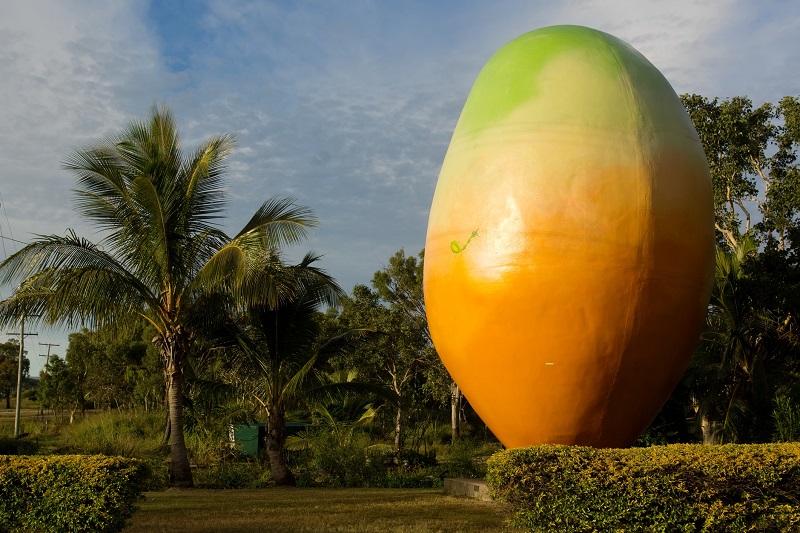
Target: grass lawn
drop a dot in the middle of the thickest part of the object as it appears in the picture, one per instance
(314, 509)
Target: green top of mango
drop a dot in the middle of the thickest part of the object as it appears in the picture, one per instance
(571, 76)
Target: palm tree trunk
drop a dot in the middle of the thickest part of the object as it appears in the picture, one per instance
(281, 474)
(180, 471)
(174, 347)
(166, 434)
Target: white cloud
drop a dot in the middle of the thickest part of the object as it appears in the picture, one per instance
(71, 71)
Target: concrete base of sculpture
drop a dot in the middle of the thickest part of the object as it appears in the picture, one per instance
(469, 488)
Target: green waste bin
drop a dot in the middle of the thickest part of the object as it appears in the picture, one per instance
(249, 438)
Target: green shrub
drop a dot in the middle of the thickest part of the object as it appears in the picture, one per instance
(464, 458)
(456, 470)
(347, 462)
(786, 416)
(229, 475)
(688, 488)
(47, 494)
(350, 458)
(126, 434)
(420, 478)
(16, 446)
(412, 470)
(410, 459)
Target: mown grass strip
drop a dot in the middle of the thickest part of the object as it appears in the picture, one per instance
(314, 509)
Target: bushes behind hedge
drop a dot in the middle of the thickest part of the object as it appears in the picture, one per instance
(688, 488)
(68, 493)
(17, 446)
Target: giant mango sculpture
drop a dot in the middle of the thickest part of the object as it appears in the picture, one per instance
(569, 255)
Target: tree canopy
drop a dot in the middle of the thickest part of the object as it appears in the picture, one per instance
(752, 156)
(9, 366)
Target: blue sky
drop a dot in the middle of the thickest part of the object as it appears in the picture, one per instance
(346, 105)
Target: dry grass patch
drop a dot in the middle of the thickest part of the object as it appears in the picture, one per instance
(315, 509)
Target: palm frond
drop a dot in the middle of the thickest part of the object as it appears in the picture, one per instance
(295, 382)
(316, 280)
(223, 270)
(156, 231)
(333, 392)
(103, 197)
(298, 442)
(278, 222)
(67, 253)
(347, 341)
(204, 196)
(251, 267)
(734, 416)
(75, 285)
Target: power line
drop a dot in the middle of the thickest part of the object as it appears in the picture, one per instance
(8, 223)
(12, 240)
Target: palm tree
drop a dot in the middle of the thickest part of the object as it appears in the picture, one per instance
(162, 255)
(282, 345)
(729, 376)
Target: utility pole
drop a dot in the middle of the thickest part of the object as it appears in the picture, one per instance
(47, 361)
(19, 371)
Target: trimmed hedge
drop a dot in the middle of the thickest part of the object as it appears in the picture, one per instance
(74, 493)
(685, 487)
